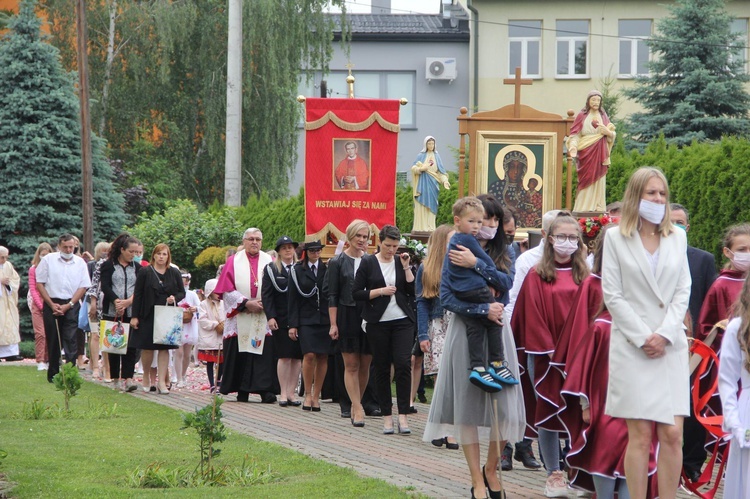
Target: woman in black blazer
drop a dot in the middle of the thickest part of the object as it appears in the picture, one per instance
(385, 284)
(309, 322)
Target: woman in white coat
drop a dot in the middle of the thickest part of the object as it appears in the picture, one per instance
(646, 286)
(734, 367)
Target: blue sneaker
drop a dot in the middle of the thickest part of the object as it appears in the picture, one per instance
(484, 381)
(502, 374)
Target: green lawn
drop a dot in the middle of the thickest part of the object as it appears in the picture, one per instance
(92, 458)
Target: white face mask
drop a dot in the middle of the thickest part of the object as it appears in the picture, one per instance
(487, 233)
(653, 212)
(565, 248)
(66, 256)
(741, 261)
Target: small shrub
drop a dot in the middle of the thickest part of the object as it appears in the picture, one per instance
(27, 349)
(207, 423)
(68, 381)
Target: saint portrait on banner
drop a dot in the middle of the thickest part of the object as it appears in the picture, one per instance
(353, 171)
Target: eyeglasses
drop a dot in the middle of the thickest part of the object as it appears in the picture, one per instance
(561, 238)
(253, 239)
(316, 250)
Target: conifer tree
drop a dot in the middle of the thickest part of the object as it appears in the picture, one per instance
(695, 90)
(40, 150)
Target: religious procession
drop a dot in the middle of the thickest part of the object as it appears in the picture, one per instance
(559, 294)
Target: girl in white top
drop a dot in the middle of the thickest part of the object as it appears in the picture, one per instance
(211, 319)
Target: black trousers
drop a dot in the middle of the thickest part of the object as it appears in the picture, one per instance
(68, 326)
(391, 343)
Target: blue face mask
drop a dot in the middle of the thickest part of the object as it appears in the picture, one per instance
(137, 259)
(681, 227)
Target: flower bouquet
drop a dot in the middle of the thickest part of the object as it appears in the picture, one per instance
(591, 227)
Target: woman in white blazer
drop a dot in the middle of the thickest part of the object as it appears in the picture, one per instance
(646, 286)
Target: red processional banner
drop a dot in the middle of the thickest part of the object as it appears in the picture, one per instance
(350, 164)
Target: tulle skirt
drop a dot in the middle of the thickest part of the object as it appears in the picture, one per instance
(465, 411)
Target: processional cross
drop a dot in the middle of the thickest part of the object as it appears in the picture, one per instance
(517, 81)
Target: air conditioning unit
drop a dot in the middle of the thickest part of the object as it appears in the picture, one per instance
(440, 68)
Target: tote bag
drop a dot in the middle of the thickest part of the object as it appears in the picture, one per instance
(168, 325)
(113, 337)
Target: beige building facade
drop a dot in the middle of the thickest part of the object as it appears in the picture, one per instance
(567, 48)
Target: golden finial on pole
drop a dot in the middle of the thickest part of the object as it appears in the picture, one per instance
(350, 79)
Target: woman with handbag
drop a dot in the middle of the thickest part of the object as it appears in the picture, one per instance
(210, 337)
(118, 275)
(160, 284)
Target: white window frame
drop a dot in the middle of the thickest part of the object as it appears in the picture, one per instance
(743, 43)
(634, 41)
(571, 39)
(524, 40)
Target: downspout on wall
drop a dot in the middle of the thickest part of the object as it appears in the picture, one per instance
(475, 50)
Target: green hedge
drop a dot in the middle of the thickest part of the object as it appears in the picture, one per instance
(712, 180)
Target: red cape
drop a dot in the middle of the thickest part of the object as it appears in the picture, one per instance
(538, 318)
(597, 447)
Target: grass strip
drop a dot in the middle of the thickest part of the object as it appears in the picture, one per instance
(95, 456)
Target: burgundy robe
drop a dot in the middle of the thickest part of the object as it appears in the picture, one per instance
(538, 319)
(718, 303)
(597, 447)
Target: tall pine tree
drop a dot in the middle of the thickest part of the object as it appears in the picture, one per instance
(695, 90)
(40, 148)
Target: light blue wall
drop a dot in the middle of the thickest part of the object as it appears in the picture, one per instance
(437, 103)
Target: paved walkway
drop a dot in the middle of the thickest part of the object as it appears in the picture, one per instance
(404, 461)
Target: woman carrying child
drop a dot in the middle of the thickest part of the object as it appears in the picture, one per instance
(458, 408)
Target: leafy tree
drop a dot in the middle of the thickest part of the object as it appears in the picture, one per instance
(158, 68)
(187, 230)
(695, 90)
(40, 152)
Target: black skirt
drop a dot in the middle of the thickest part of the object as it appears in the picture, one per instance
(352, 339)
(284, 346)
(315, 339)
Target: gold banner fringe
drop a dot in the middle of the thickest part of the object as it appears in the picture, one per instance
(352, 127)
(329, 227)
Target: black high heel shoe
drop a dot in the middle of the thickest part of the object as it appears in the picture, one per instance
(494, 494)
(473, 497)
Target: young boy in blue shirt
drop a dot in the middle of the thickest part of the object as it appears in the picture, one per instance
(469, 286)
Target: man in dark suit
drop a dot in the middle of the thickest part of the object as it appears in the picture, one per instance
(703, 273)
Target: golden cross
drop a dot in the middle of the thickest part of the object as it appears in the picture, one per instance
(517, 81)
(349, 66)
